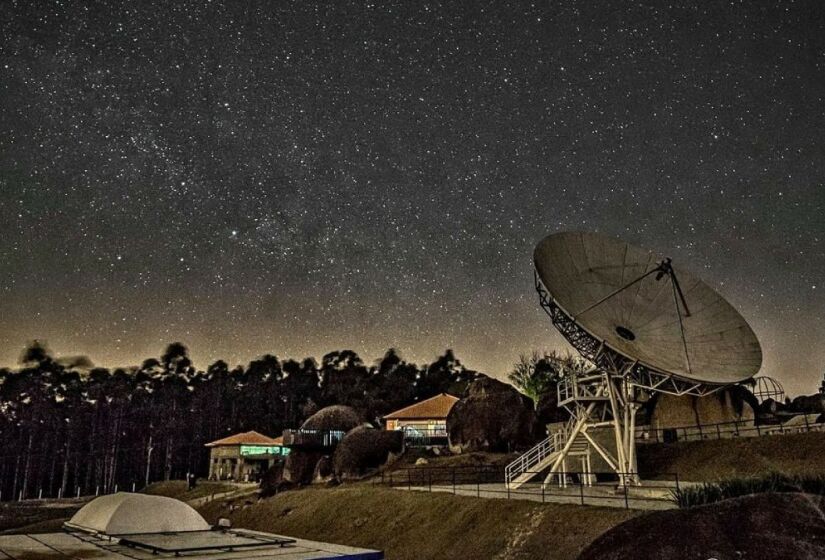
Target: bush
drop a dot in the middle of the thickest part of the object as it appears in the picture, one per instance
(711, 492)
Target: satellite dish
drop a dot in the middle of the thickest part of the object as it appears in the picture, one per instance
(646, 309)
(647, 326)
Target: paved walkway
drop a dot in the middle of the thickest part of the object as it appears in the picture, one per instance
(643, 498)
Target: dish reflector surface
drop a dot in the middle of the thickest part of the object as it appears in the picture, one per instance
(698, 337)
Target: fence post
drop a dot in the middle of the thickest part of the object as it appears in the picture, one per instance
(478, 486)
(133, 487)
(718, 432)
(581, 488)
(807, 427)
(78, 491)
(676, 475)
(626, 490)
(542, 492)
(758, 431)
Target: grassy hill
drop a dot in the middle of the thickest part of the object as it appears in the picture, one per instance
(413, 525)
(36, 515)
(179, 489)
(711, 460)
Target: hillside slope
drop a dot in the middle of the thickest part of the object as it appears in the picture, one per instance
(714, 459)
(775, 526)
(413, 525)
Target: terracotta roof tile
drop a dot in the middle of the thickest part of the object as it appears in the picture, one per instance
(435, 407)
(246, 438)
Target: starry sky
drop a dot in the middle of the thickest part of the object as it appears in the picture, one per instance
(300, 177)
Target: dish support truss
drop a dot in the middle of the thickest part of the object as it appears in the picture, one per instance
(607, 396)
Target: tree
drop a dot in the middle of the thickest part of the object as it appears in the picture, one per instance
(537, 374)
(445, 375)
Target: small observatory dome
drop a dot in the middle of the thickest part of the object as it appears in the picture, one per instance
(129, 514)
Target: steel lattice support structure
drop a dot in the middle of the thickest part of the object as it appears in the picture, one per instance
(609, 395)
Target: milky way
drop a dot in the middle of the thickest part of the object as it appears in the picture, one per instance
(295, 178)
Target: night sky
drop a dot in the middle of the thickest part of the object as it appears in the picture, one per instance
(296, 178)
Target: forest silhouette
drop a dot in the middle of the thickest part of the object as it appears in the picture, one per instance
(67, 427)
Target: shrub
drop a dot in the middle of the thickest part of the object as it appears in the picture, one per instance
(711, 492)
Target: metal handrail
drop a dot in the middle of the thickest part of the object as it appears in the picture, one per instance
(485, 481)
(535, 455)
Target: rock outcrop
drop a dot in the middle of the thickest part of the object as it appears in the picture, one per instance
(364, 449)
(781, 526)
(301, 465)
(492, 416)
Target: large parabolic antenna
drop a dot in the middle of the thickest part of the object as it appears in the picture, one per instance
(647, 326)
(643, 308)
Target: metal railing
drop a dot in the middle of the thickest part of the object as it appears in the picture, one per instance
(485, 481)
(724, 430)
(425, 437)
(535, 456)
(322, 439)
(585, 386)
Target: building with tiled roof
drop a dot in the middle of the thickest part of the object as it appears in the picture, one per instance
(244, 438)
(244, 457)
(425, 422)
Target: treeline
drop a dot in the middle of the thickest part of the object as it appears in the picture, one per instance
(68, 427)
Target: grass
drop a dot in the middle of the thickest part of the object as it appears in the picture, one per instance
(711, 492)
(408, 525)
(36, 516)
(712, 460)
(179, 489)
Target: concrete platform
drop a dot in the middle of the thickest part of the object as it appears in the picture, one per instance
(60, 546)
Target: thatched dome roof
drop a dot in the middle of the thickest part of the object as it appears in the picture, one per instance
(336, 417)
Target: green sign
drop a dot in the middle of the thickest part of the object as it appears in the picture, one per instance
(263, 450)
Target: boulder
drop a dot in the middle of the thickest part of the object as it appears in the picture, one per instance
(299, 467)
(364, 449)
(492, 416)
(808, 404)
(273, 481)
(323, 470)
(777, 526)
(302, 465)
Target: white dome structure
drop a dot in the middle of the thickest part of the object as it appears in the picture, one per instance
(130, 514)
